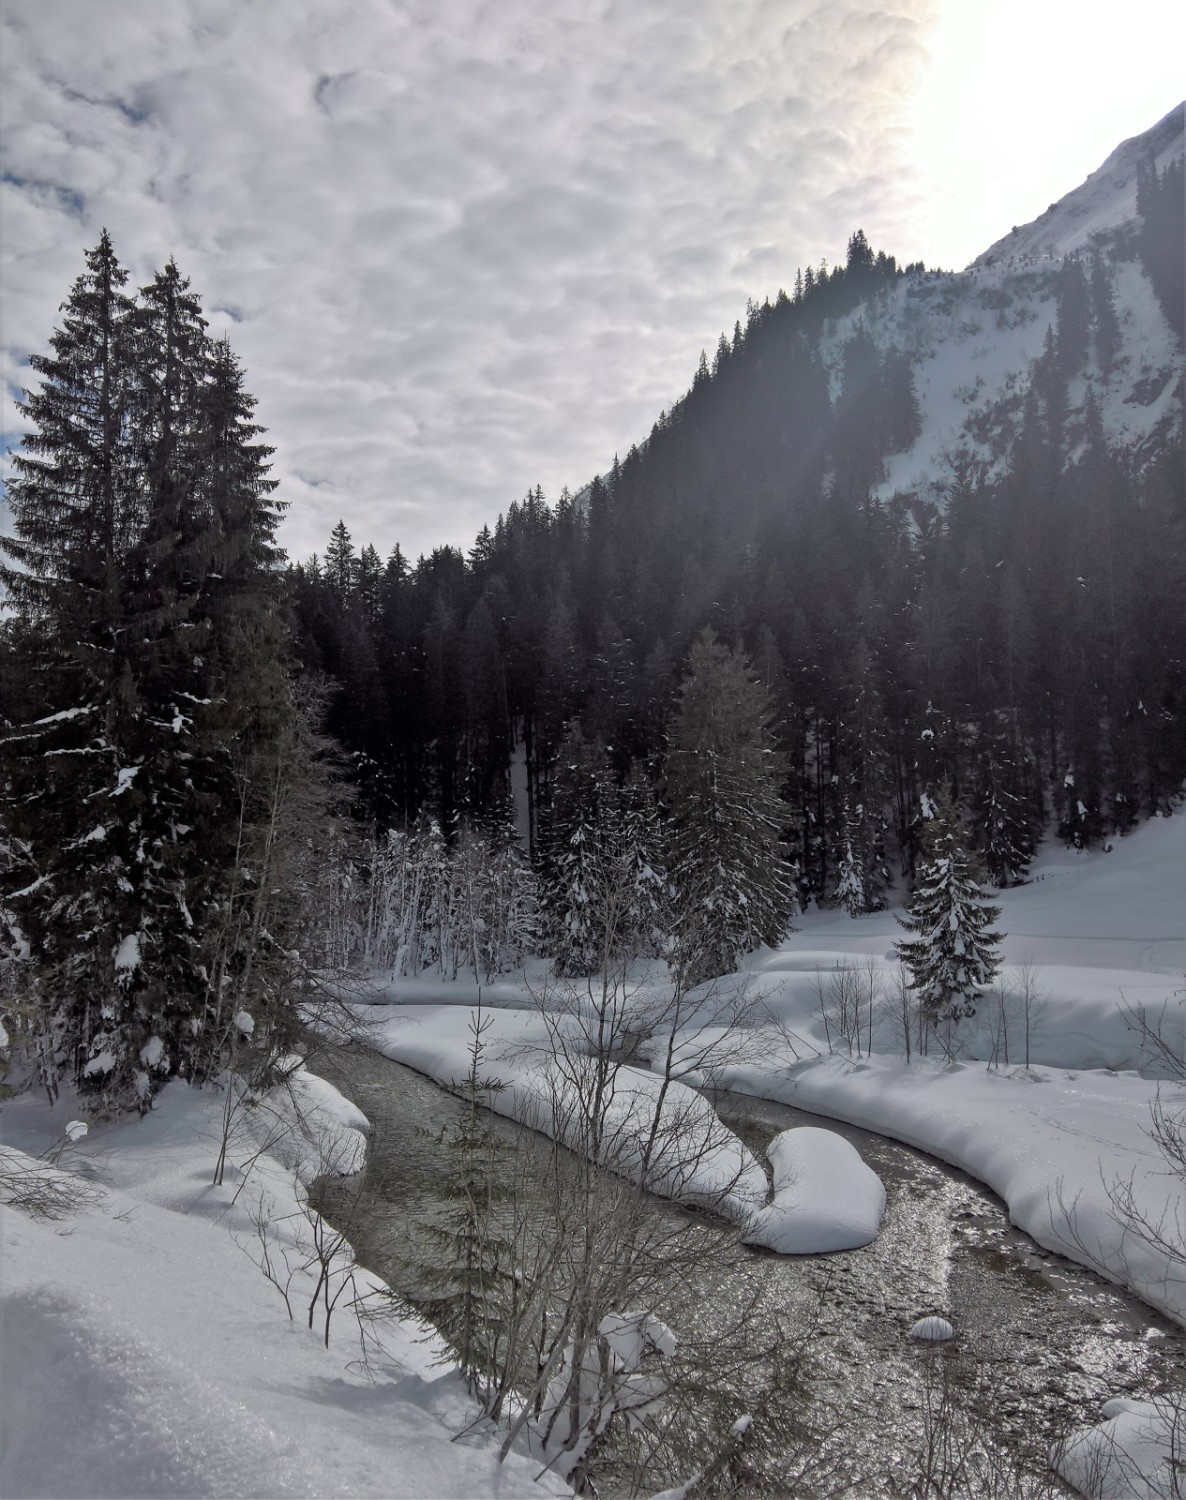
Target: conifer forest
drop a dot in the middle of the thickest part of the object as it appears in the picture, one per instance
(457, 952)
(722, 665)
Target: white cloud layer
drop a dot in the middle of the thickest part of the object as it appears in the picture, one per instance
(462, 247)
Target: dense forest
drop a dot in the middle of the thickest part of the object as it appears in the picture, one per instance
(1022, 643)
(726, 678)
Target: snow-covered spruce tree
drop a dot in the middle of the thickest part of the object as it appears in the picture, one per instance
(852, 884)
(604, 890)
(145, 658)
(1001, 818)
(573, 855)
(510, 904)
(722, 778)
(952, 952)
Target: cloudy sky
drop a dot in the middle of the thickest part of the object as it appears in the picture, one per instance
(465, 247)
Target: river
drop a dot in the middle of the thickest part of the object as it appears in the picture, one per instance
(1040, 1341)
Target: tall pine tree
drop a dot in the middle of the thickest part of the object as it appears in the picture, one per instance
(144, 672)
(723, 772)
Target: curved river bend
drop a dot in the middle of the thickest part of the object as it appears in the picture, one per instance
(1040, 1342)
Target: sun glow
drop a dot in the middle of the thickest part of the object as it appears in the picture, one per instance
(1022, 99)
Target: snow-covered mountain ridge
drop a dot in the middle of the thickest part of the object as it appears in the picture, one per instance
(974, 337)
(1104, 202)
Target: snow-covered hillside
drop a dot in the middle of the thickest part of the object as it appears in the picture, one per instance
(973, 336)
(1104, 201)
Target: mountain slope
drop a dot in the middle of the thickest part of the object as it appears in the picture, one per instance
(1105, 201)
(942, 513)
(974, 338)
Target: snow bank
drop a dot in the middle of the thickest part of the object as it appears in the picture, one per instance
(1052, 1144)
(825, 1197)
(1131, 1455)
(932, 1330)
(667, 1136)
(145, 1354)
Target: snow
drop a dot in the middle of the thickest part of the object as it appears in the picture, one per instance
(825, 1197)
(64, 714)
(123, 780)
(145, 1354)
(973, 336)
(932, 1330)
(152, 1052)
(127, 955)
(1099, 933)
(1130, 1455)
(697, 1159)
(1107, 199)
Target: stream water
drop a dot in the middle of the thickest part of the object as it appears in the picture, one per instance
(1040, 1342)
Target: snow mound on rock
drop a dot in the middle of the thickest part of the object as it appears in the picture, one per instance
(825, 1197)
(935, 1330)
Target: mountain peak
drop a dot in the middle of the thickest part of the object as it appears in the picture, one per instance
(1104, 201)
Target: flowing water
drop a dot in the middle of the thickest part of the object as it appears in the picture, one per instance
(1040, 1342)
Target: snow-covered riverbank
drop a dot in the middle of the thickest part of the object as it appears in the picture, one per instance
(1092, 938)
(145, 1354)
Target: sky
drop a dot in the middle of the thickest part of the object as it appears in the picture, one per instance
(464, 248)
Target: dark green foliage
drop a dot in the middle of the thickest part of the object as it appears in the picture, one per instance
(722, 777)
(1161, 203)
(144, 670)
(604, 890)
(953, 951)
(1003, 821)
(1045, 594)
(1103, 308)
(1074, 317)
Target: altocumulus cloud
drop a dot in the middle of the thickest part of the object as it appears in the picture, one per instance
(461, 247)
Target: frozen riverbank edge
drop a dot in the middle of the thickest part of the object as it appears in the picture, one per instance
(145, 1354)
(1095, 935)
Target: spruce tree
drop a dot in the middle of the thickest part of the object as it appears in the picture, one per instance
(467, 1287)
(584, 920)
(953, 950)
(145, 669)
(1001, 818)
(864, 868)
(852, 885)
(723, 772)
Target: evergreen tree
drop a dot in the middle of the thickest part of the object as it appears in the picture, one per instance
(584, 916)
(864, 773)
(1001, 816)
(723, 772)
(952, 953)
(145, 671)
(1074, 316)
(852, 883)
(1103, 307)
(467, 1287)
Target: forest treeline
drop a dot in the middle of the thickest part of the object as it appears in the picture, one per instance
(1022, 643)
(722, 678)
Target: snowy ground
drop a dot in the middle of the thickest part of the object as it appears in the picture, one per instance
(1092, 937)
(145, 1354)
